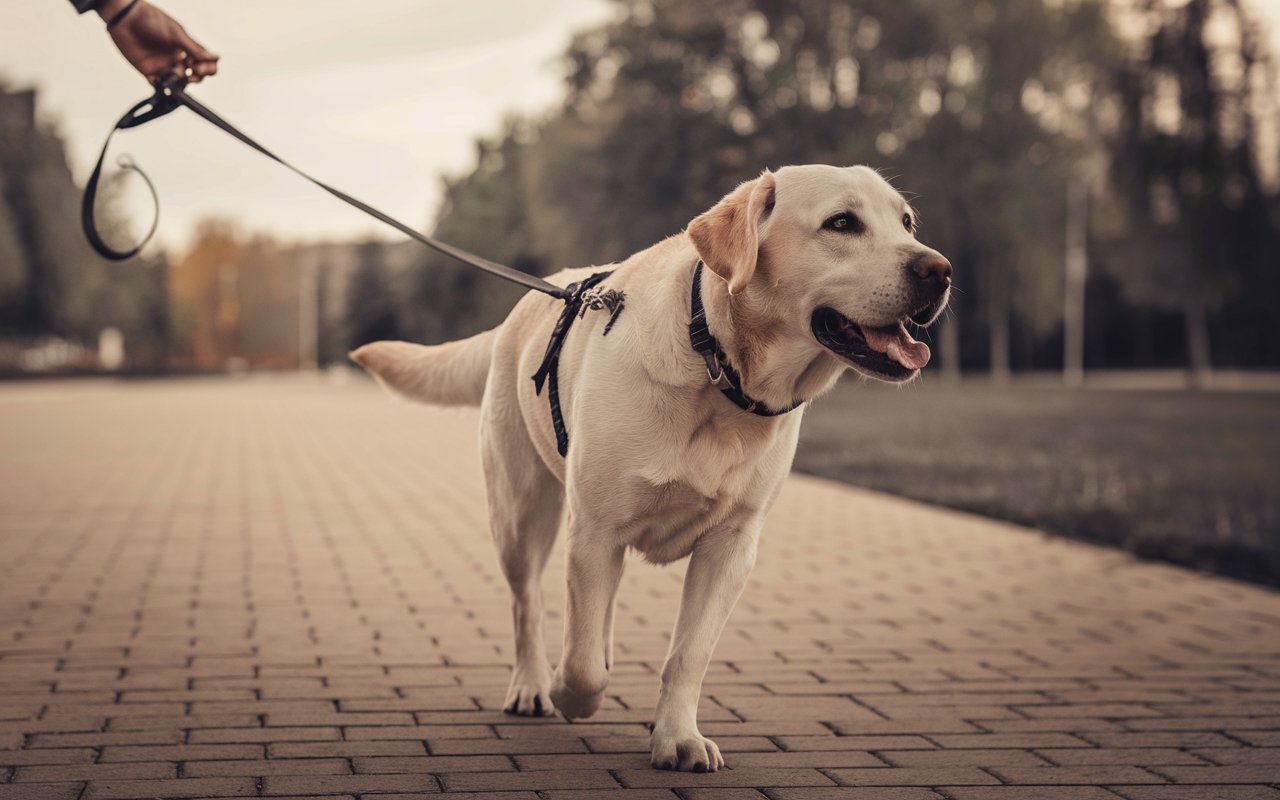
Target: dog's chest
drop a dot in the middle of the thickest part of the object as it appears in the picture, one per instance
(680, 494)
(665, 520)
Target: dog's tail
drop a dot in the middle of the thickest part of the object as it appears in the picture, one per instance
(450, 374)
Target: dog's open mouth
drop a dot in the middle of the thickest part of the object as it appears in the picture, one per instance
(887, 352)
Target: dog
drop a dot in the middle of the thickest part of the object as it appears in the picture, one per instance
(809, 271)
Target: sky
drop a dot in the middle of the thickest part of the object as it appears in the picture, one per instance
(378, 97)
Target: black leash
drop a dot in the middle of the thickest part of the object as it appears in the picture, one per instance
(578, 297)
(722, 374)
(170, 95)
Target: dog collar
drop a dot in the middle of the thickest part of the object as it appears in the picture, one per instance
(721, 373)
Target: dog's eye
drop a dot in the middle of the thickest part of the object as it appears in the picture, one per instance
(906, 222)
(844, 222)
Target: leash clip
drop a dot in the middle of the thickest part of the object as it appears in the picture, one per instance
(715, 370)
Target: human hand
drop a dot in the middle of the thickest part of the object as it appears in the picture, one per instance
(155, 44)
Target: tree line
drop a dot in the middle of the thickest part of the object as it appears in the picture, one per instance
(1163, 115)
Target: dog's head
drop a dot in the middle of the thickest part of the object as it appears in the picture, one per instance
(832, 253)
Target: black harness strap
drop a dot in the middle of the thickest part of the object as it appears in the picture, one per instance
(170, 95)
(722, 374)
(575, 305)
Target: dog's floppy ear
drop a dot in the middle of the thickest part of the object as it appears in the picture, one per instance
(727, 237)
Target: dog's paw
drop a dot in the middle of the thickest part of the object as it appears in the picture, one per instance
(691, 752)
(572, 704)
(529, 695)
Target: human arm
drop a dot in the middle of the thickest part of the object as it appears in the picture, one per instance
(152, 41)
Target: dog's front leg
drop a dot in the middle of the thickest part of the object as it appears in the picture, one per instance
(593, 570)
(718, 569)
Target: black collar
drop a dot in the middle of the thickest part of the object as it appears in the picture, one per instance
(723, 376)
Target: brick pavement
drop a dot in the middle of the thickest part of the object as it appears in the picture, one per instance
(281, 588)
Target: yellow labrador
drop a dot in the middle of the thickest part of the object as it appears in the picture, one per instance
(808, 271)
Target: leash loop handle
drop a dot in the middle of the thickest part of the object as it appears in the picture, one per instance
(170, 94)
(154, 107)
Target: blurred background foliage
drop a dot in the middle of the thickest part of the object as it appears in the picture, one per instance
(1166, 112)
(1163, 113)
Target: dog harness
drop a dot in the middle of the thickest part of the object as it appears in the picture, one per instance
(579, 298)
(584, 296)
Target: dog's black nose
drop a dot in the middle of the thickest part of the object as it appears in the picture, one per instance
(933, 268)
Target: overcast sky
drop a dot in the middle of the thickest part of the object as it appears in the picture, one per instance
(379, 97)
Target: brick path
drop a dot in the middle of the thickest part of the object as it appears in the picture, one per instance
(281, 588)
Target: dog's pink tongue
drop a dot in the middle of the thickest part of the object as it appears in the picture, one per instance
(897, 344)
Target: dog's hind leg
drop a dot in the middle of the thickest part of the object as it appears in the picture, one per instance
(525, 504)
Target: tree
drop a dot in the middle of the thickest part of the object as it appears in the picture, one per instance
(51, 283)
(1189, 161)
(371, 308)
(984, 112)
(488, 213)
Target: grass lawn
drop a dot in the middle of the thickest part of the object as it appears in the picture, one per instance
(1189, 477)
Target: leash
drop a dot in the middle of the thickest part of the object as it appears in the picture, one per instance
(171, 95)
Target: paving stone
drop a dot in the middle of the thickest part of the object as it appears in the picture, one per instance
(182, 752)
(504, 781)
(1257, 738)
(176, 789)
(837, 743)
(440, 764)
(853, 793)
(263, 768)
(640, 744)
(1198, 792)
(1030, 793)
(1158, 739)
(333, 784)
(1245, 773)
(914, 776)
(263, 735)
(41, 791)
(1020, 741)
(345, 749)
(958, 758)
(1078, 776)
(584, 794)
(1133, 756)
(14, 758)
(1220, 756)
(747, 777)
(107, 739)
(94, 772)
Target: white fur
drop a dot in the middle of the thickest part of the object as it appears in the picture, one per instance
(659, 460)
